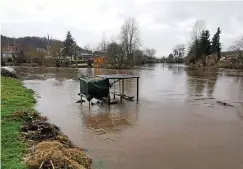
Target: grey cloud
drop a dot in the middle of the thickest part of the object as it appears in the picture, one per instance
(162, 24)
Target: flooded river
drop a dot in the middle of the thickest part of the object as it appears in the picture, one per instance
(177, 124)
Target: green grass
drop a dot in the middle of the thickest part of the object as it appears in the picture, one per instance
(14, 97)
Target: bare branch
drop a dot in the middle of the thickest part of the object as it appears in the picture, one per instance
(150, 52)
(179, 51)
(197, 29)
(238, 45)
(130, 37)
(103, 45)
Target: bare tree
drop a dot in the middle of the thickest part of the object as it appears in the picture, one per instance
(103, 45)
(179, 51)
(130, 38)
(55, 49)
(150, 52)
(197, 29)
(36, 56)
(238, 45)
(87, 47)
(115, 53)
(196, 32)
(140, 57)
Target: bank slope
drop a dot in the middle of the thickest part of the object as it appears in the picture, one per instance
(14, 97)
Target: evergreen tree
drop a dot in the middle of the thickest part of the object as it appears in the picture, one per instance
(216, 45)
(205, 44)
(68, 46)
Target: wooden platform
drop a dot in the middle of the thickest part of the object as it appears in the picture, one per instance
(118, 76)
(123, 95)
(122, 77)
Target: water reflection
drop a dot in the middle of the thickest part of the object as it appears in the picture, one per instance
(114, 118)
(176, 69)
(201, 79)
(109, 121)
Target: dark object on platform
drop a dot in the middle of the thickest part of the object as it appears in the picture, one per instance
(8, 73)
(94, 88)
(99, 87)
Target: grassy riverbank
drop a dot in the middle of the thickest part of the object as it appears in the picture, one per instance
(14, 98)
(28, 139)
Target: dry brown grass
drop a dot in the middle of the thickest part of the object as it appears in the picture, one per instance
(53, 154)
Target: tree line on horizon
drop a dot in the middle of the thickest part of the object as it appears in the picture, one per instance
(125, 49)
(201, 47)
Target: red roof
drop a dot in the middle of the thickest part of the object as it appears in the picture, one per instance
(10, 48)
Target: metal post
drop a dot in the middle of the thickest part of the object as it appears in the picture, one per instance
(109, 99)
(122, 89)
(80, 92)
(114, 96)
(137, 88)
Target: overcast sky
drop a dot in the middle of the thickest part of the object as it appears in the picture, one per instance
(163, 24)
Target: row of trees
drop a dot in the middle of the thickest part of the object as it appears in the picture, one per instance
(126, 48)
(177, 56)
(238, 47)
(237, 50)
(36, 50)
(205, 51)
(201, 45)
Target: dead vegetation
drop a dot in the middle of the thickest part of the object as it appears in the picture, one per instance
(53, 154)
(49, 148)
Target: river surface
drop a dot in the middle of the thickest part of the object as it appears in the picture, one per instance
(177, 123)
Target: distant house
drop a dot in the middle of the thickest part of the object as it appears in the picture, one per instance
(79, 54)
(84, 56)
(41, 50)
(228, 55)
(9, 52)
(100, 54)
(100, 58)
(46, 52)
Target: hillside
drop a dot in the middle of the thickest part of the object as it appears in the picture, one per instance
(28, 42)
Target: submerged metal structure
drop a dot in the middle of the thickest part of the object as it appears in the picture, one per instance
(98, 87)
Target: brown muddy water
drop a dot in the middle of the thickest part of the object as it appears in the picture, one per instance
(177, 124)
